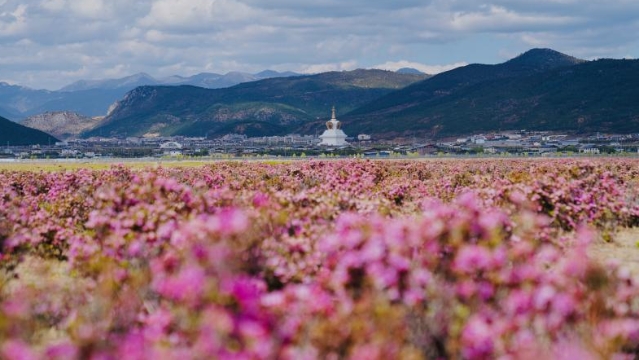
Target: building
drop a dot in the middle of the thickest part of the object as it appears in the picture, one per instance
(171, 145)
(333, 135)
(589, 149)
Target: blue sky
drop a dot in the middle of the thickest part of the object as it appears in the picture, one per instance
(50, 43)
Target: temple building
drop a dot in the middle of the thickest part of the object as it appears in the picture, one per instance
(333, 135)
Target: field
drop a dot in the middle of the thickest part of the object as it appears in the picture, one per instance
(361, 259)
(48, 165)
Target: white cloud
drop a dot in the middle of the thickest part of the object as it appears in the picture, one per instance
(13, 22)
(533, 40)
(497, 18)
(319, 68)
(92, 9)
(100, 38)
(428, 69)
(188, 14)
(54, 5)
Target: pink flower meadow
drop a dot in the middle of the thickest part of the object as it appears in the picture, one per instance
(319, 260)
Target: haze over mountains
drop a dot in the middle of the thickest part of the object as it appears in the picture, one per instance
(267, 107)
(205, 80)
(541, 89)
(94, 97)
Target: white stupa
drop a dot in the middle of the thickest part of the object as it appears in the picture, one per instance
(333, 135)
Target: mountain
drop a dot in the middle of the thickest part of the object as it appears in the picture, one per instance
(542, 59)
(205, 80)
(62, 124)
(16, 134)
(267, 74)
(270, 106)
(128, 82)
(8, 114)
(15, 100)
(94, 97)
(539, 90)
(407, 70)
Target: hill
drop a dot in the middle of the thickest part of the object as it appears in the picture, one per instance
(205, 80)
(407, 70)
(94, 97)
(266, 107)
(61, 124)
(439, 86)
(539, 90)
(16, 134)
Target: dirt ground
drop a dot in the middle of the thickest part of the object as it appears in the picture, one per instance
(624, 249)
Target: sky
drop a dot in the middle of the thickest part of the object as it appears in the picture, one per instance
(51, 43)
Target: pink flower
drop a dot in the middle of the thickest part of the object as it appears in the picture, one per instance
(187, 285)
(518, 302)
(17, 350)
(133, 347)
(62, 351)
(564, 305)
(472, 258)
(260, 199)
(543, 297)
(477, 339)
(569, 350)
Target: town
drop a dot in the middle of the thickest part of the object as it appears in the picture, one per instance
(510, 143)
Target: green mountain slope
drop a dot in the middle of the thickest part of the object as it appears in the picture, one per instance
(539, 90)
(439, 86)
(15, 134)
(266, 107)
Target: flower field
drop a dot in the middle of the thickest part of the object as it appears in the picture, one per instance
(469, 259)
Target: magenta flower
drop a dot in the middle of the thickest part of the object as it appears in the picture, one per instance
(477, 339)
(472, 258)
(17, 350)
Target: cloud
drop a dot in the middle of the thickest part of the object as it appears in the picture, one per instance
(500, 19)
(195, 14)
(91, 9)
(319, 68)
(428, 69)
(50, 43)
(13, 21)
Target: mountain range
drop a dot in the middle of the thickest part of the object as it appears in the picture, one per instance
(16, 134)
(539, 90)
(94, 97)
(205, 80)
(272, 106)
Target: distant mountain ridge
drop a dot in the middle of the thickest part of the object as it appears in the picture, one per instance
(205, 80)
(452, 81)
(407, 70)
(272, 106)
(541, 89)
(132, 81)
(94, 97)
